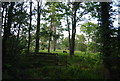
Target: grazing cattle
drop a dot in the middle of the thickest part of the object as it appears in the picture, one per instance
(64, 51)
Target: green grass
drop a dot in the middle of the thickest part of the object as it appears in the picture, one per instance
(80, 66)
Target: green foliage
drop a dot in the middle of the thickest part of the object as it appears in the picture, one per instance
(80, 43)
(93, 8)
(90, 29)
(93, 47)
(65, 43)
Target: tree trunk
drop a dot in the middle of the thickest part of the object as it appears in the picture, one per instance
(7, 31)
(20, 23)
(10, 15)
(69, 34)
(5, 22)
(50, 35)
(49, 45)
(4, 36)
(105, 23)
(55, 40)
(118, 37)
(29, 36)
(55, 43)
(75, 7)
(38, 29)
(18, 32)
(3, 12)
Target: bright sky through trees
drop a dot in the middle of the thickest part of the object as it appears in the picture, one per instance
(34, 21)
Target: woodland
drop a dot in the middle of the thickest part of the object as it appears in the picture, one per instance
(40, 40)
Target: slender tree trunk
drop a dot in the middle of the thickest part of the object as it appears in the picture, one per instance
(50, 37)
(118, 37)
(5, 22)
(55, 43)
(73, 37)
(18, 32)
(3, 12)
(75, 7)
(55, 40)
(38, 29)
(10, 15)
(20, 23)
(49, 45)
(69, 34)
(69, 37)
(29, 36)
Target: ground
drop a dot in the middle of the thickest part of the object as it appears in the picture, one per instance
(83, 65)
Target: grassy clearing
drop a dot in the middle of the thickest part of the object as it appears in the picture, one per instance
(81, 66)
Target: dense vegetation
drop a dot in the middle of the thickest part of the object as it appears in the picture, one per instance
(35, 44)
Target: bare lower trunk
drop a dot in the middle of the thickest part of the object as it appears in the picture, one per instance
(49, 45)
(55, 42)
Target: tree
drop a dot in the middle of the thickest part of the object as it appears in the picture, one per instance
(29, 37)
(90, 29)
(38, 28)
(52, 15)
(105, 34)
(68, 14)
(65, 43)
(20, 18)
(4, 6)
(75, 8)
(80, 43)
(44, 35)
(7, 32)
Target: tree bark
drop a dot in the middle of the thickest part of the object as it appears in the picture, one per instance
(49, 45)
(18, 31)
(50, 35)
(55, 40)
(38, 29)
(20, 23)
(29, 36)
(75, 7)
(69, 34)
(105, 34)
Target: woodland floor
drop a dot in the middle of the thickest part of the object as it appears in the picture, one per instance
(81, 66)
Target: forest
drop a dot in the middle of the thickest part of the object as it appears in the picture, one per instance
(60, 40)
